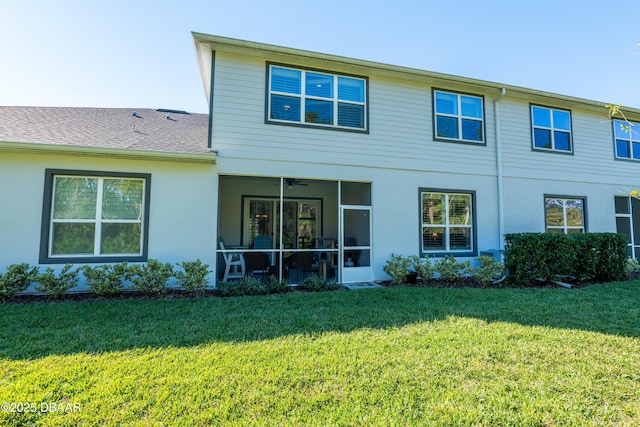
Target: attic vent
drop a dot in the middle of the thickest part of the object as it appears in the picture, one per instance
(166, 110)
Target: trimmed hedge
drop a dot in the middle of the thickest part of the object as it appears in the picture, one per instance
(592, 256)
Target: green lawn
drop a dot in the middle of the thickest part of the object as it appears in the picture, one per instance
(392, 356)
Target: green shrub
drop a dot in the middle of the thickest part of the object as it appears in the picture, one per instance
(632, 267)
(450, 268)
(194, 275)
(488, 270)
(57, 285)
(422, 266)
(152, 277)
(17, 278)
(313, 283)
(107, 279)
(397, 267)
(246, 286)
(275, 286)
(594, 256)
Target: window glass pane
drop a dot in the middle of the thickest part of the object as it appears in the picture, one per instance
(120, 238)
(574, 212)
(447, 127)
(554, 213)
(542, 138)
(319, 85)
(471, 106)
(318, 111)
(75, 197)
(636, 150)
(621, 129)
(471, 130)
(635, 210)
(285, 108)
(355, 193)
(460, 209)
(562, 141)
(350, 89)
(432, 208)
(446, 103)
(433, 238)
(541, 116)
(561, 120)
(555, 230)
(351, 115)
(622, 205)
(122, 199)
(574, 230)
(622, 148)
(285, 80)
(623, 226)
(460, 238)
(73, 239)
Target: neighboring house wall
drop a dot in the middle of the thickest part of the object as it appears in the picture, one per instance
(182, 205)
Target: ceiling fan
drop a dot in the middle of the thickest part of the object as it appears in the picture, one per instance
(292, 182)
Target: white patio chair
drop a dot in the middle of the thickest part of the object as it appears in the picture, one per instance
(234, 264)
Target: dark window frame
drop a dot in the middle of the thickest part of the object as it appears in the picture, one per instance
(474, 224)
(585, 218)
(302, 123)
(47, 258)
(630, 141)
(569, 152)
(459, 140)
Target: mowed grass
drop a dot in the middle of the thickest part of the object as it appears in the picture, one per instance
(392, 356)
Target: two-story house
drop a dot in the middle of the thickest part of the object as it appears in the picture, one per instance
(383, 159)
(323, 163)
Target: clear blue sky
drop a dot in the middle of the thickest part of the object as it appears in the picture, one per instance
(139, 54)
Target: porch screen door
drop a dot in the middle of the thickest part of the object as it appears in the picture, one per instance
(356, 248)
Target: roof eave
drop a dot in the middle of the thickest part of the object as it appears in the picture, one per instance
(118, 153)
(221, 43)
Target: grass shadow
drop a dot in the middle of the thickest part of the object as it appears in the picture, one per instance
(30, 331)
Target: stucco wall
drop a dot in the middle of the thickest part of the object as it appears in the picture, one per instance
(182, 221)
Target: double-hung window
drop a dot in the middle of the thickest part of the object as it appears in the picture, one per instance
(94, 217)
(316, 98)
(551, 129)
(447, 222)
(627, 136)
(458, 117)
(565, 215)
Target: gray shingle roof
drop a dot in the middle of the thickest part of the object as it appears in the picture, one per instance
(115, 128)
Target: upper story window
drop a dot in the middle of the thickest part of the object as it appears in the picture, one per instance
(94, 217)
(564, 215)
(447, 222)
(458, 117)
(627, 136)
(316, 98)
(551, 129)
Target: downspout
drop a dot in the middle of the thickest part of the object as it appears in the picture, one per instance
(496, 106)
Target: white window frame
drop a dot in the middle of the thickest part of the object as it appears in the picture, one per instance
(447, 226)
(302, 96)
(459, 117)
(46, 252)
(564, 227)
(552, 129)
